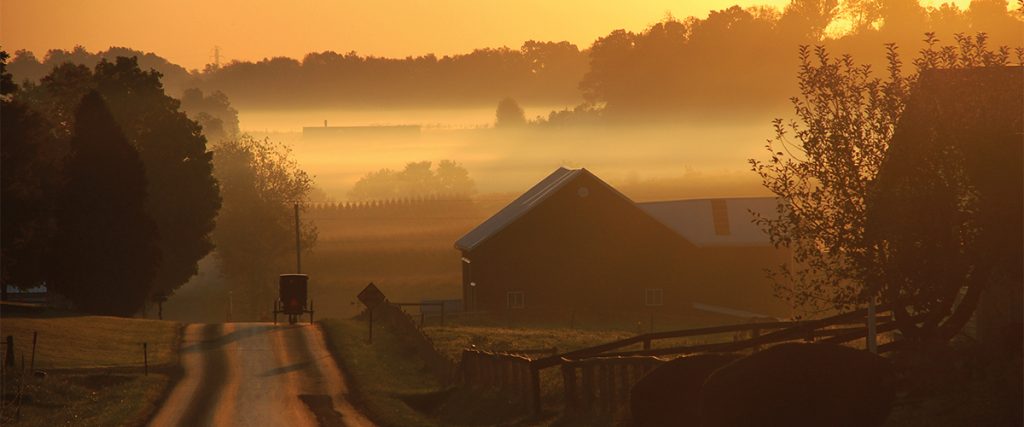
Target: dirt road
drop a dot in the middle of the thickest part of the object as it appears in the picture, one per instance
(257, 374)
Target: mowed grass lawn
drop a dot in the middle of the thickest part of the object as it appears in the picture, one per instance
(93, 366)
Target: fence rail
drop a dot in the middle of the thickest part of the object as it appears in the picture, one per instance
(596, 379)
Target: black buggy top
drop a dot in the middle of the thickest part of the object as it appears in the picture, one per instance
(293, 297)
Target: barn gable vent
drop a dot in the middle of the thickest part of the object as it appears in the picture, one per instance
(720, 215)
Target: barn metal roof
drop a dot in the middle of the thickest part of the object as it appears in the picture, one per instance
(517, 208)
(715, 222)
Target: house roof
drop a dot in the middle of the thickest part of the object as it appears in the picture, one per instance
(702, 222)
(715, 222)
(520, 206)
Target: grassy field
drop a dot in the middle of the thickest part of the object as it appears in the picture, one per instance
(452, 339)
(93, 370)
(77, 342)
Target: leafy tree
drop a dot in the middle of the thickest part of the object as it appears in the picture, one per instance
(26, 188)
(809, 18)
(416, 180)
(844, 120)
(454, 179)
(184, 197)
(509, 114)
(27, 67)
(105, 252)
(824, 167)
(255, 232)
(213, 112)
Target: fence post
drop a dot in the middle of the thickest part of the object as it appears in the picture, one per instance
(503, 381)
(609, 386)
(32, 364)
(535, 389)
(587, 385)
(569, 381)
(626, 386)
(872, 331)
(9, 356)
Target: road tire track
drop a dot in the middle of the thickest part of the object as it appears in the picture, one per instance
(202, 407)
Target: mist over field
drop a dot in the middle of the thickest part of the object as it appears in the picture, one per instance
(709, 152)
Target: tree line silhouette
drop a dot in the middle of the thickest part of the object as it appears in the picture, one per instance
(741, 60)
(537, 72)
(736, 60)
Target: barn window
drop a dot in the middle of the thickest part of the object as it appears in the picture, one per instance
(653, 297)
(516, 299)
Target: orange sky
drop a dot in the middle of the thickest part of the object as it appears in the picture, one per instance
(185, 31)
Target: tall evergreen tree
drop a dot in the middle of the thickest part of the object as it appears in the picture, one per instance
(105, 254)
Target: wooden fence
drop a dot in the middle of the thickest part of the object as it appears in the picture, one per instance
(601, 384)
(512, 375)
(598, 379)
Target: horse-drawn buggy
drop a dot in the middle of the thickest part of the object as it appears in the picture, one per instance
(292, 298)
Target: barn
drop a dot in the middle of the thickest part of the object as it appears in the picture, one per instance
(573, 242)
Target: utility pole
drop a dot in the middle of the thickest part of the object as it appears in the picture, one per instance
(298, 242)
(216, 56)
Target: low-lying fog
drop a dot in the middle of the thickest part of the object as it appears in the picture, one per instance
(510, 160)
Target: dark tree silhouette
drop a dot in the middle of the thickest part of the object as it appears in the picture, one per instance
(105, 252)
(26, 183)
(184, 197)
(509, 114)
(538, 72)
(213, 112)
(945, 215)
(717, 64)
(416, 180)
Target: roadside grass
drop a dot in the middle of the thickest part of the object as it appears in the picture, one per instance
(93, 368)
(385, 375)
